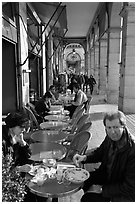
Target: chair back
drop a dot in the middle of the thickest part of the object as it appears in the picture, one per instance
(87, 106)
(34, 122)
(79, 144)
(78, 116)
(84, 118)
(39, 118)
(77, 110)
(85, 127)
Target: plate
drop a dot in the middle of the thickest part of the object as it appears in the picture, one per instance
(76, 175)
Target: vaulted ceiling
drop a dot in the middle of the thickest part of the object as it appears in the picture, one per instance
(79, 17)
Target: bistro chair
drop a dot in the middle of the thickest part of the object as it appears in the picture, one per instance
(80, 123)
(71, 128)
(33, 120)
(87, 106)
(78, 116)
(78, 145)
(77, 110)
(39, 118)
(85, 127)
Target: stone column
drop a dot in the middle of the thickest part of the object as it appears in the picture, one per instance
(127, 78)
(113, 70)
(92, 62)
(86, 62)
(23, 49)
(50, 62)
(103, 66)
(96, 69)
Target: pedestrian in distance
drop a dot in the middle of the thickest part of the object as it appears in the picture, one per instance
(91, 82)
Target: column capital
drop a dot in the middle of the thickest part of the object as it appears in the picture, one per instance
(127, 8)
(114, 30)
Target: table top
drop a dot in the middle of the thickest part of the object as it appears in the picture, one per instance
(56, 107)
(51, 188)
(46, 150)
(56, 118)
(48, 136)
(53, 125)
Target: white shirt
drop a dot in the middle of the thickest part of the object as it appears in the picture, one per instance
(81, 98)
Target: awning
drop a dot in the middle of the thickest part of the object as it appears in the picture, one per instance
(46, 9)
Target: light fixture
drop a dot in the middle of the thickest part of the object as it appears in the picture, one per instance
(74, 51)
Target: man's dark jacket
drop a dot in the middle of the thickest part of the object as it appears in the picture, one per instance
(121, 185)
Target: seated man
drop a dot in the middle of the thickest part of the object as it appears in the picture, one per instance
(43, 105)
(80, 98)
(52, 91)
(114, 180)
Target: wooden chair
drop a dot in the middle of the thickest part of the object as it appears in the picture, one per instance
(39, 118)
(78, 145)
(88, 104)
(85, 127)
(77, 110)
(33, 120)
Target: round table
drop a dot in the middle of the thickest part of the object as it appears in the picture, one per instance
(56, 107)
(48, 136)
(47, 150)
(53, 125)
(51, 188)
(56, 117)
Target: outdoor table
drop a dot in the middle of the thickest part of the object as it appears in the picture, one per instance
(53, 125)
(47, 150)
(51, 188)
(55, 107)
(48, 136)
(56, 117)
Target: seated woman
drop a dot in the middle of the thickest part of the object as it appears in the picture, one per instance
(16, 124)
(43, 105)
(80, 98)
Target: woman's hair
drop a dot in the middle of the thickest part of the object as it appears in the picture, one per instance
(16, 119)
(51, 87)
(47, 95)
(115, 115)
(76, 85)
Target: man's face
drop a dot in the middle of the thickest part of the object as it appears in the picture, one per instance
(53, 90)
(114, 129)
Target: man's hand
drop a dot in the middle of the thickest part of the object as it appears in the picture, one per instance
(77, 159)
(95, 189)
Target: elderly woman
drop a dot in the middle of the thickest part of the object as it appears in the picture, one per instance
(114, 180)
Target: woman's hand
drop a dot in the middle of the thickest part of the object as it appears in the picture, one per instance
(20, 140)
(77, 159)
(25, 168)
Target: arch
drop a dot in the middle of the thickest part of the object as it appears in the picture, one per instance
(113, 12)
(74, 61)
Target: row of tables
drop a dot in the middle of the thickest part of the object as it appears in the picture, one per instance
(47, 146)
